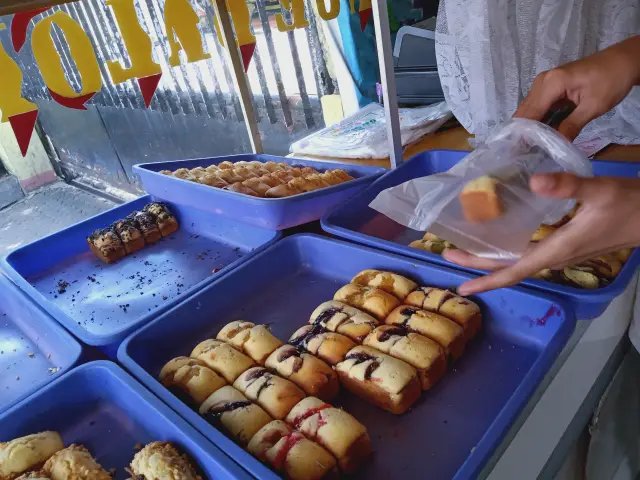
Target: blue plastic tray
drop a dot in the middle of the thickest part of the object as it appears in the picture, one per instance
(104, 303)
(451, 431)
(103, 408)
(34, 349)
(271, 213)
(355, 221)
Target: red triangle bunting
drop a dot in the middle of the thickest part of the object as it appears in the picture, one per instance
(247, 54)
(148, 86)
(77, 103)
(365, 16)
(22, 126)
(19, 25)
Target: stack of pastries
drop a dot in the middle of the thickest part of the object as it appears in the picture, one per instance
(257, 179)
(138, 229)
(44, 456)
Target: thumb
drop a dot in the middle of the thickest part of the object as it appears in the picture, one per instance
(564, 185)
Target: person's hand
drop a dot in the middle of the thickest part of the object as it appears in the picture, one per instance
(608, 220)
(595, 84)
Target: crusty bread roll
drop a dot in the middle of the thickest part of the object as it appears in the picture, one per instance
(480, 200)
(27, 453)
(422, 353)
(446, 332)
(311, 374)
(222, 358)
(292, 454)
(370, 299)
(162, 460)
(334, 429)
(230, 409)
(329, 346)
(392, 283)
(276, 395)
(341, 318)
(387, 382)
(190, 376)
(461, 310)
(75, 463)
(256, 341)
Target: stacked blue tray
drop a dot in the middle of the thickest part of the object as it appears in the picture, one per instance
(101, 304)
(450, 432)
(355, 221)
(101, 407)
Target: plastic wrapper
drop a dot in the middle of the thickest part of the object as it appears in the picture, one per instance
(519, 150)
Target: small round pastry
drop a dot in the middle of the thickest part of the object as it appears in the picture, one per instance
(27, 453)
(191, 376)
(392, 283)
(256, 341)
(222, 358)
(75, 463)
(162, 460)
(328, 346)
(370, 299)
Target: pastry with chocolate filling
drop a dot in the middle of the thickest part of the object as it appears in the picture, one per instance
(192, 377)
(422, 353)
(240, 187)
(382, 380)
(291, 454)
(373, 300)
(311, 374)
(459, 309)
(446, 332)
(131, 237)
(146, 223)
(75, 463)
(343, 319)
(276, 395)
(106, 245)
(27, 453)
(222, 358)
(165, 220)
(230, 409)
(334, 429)
(392, 283)
(256, 341)
(328, 346)
(162, 460)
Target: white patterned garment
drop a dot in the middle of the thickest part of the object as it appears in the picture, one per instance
(490, 51)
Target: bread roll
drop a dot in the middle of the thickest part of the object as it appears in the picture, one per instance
(162, 460)
(276, 395)
(291, 454)
(311, 374)
(330, 347)
(341, 318)
(256, 341)
(392, 283)
(387, 382)
(131, 237)
(146, 223)
(75, 463)
(422, 353)
(370, 299)
(191, 376)
(464, 312)
(106, 245)
(446, 332)
(222, 358)
(334, 429)
(480, 200)
(27, 453)
(165, 220)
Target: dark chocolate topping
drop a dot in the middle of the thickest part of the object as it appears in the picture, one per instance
(266, 384)
(327, 315)
(288, 353)
(361, 357)
(408, 311)
(255, 374)
(214, 414)
(388, 333)
(301, 341)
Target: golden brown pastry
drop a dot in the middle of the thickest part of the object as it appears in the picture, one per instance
(582, 276)
(213, 180)
(165, 220)
(230, 409)
(311, 374)
(212, 169)
(344, 176)
(422, 353)
(459, 309)
(270, 180)
(317, 181)
(542, 232)
(432, 246)
(307, 171)
(328, 346)
(292, 454)
(334, 429)
(370, 299)
(623, 254)
(387, 382)
(257, 186)
(229, 176)
(27, 453)
(271, 166)
(281, 191)
(146, 223)
(239, 187)
(191, 376)
(341, 318)
(75, 463)
(182, 173)
(446, 332)
(302, 184)
(162, 460)
(198, 171)
(226, 165)
(106, 245)
(166, 172)
(608, 266)
(244, 172)
(276, 395)
(256, 341)
(480, 200)
(283, 175)
(37, 475)
(392, 283)
(330, 179)
(222, 358)
(131, 237)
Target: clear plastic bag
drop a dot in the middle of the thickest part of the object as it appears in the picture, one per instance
(512, 156)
